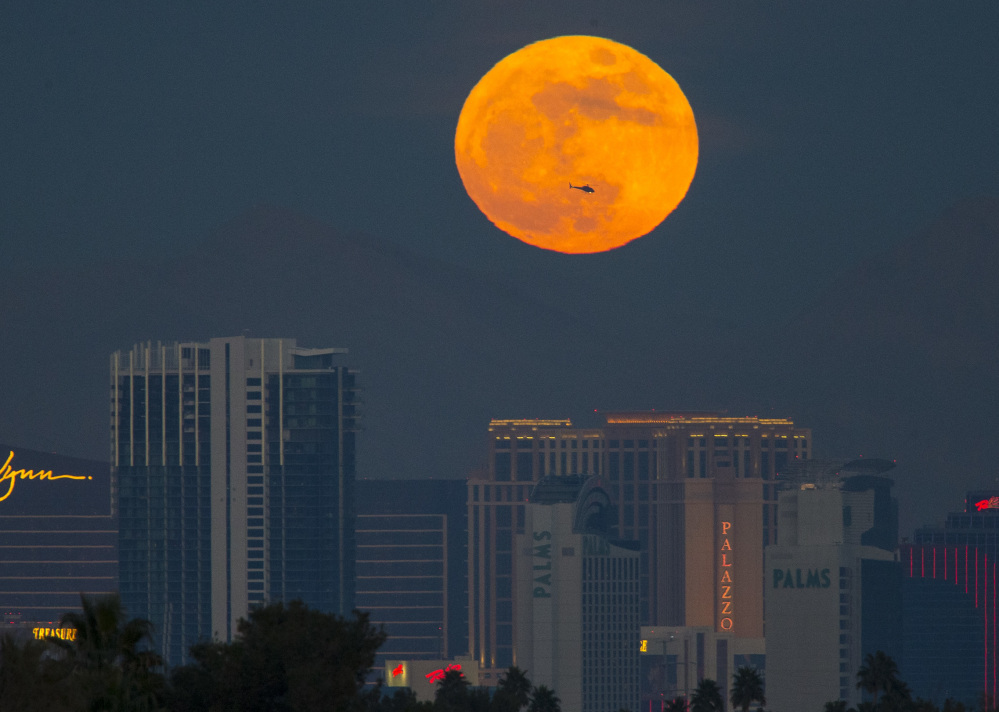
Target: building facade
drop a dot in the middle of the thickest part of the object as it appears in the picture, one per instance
(691, 488)
(59, 535)
(233, 463)
(412, 567)
(675, 660)
(577, 597)
(949, 599)
(833, 584)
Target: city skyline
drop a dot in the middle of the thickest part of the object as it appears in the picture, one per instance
(178, 173)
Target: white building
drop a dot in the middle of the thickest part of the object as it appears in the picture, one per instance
(577, 598)
(233, 468)
(832, 587)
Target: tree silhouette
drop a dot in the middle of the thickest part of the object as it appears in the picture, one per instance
(707, 697)
(109, 659)
(543, 699)
(284, 657)
(897, 698)
(452, 693)
(747, 688)
(677, 704)
(31, 680)
(878, 673)
(513, 692)
(835, 706)
(402, 700)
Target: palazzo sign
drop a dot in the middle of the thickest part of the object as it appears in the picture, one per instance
(726, 614)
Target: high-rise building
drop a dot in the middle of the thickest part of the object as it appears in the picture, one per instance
(412, 567)
(949, 604)
(577, 597)
(59, 535)
(833, 583)
(696, 490)
(233, 462)
(520, 451)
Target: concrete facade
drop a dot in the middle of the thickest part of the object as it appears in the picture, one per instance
(831, 598)
(577, 599)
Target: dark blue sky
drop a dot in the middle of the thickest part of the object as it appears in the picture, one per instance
(829, 132)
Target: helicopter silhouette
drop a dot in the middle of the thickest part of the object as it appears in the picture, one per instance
(585, 188)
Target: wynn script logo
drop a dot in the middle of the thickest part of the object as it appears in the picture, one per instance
(10, 476)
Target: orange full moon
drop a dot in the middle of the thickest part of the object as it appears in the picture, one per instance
(580, 111)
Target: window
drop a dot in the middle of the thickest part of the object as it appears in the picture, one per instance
(502, 462)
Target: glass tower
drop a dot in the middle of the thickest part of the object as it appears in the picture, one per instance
(233, 466)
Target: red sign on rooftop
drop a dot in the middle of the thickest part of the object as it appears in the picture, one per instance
(990, 503)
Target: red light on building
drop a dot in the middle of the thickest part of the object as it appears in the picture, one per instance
(436, 675)
(990, 503)
(977, 575)
(397, 671)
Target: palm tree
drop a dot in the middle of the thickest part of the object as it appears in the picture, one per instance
(514, 691)
(108, 656)
(452, 693)
(707, 697)
(543, 699)
(878, 674)
(897, 696)
(747, 688)
(31, 680)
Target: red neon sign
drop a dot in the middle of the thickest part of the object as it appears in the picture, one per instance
(436, 675)
(990, 503)
(397, 671)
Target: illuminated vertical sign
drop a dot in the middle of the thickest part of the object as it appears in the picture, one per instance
(725, 613)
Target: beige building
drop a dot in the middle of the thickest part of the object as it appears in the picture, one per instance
(832, 588)
(577, 598)
(696, 490)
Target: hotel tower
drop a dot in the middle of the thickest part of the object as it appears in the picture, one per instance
(233, 468)
(696, 490)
